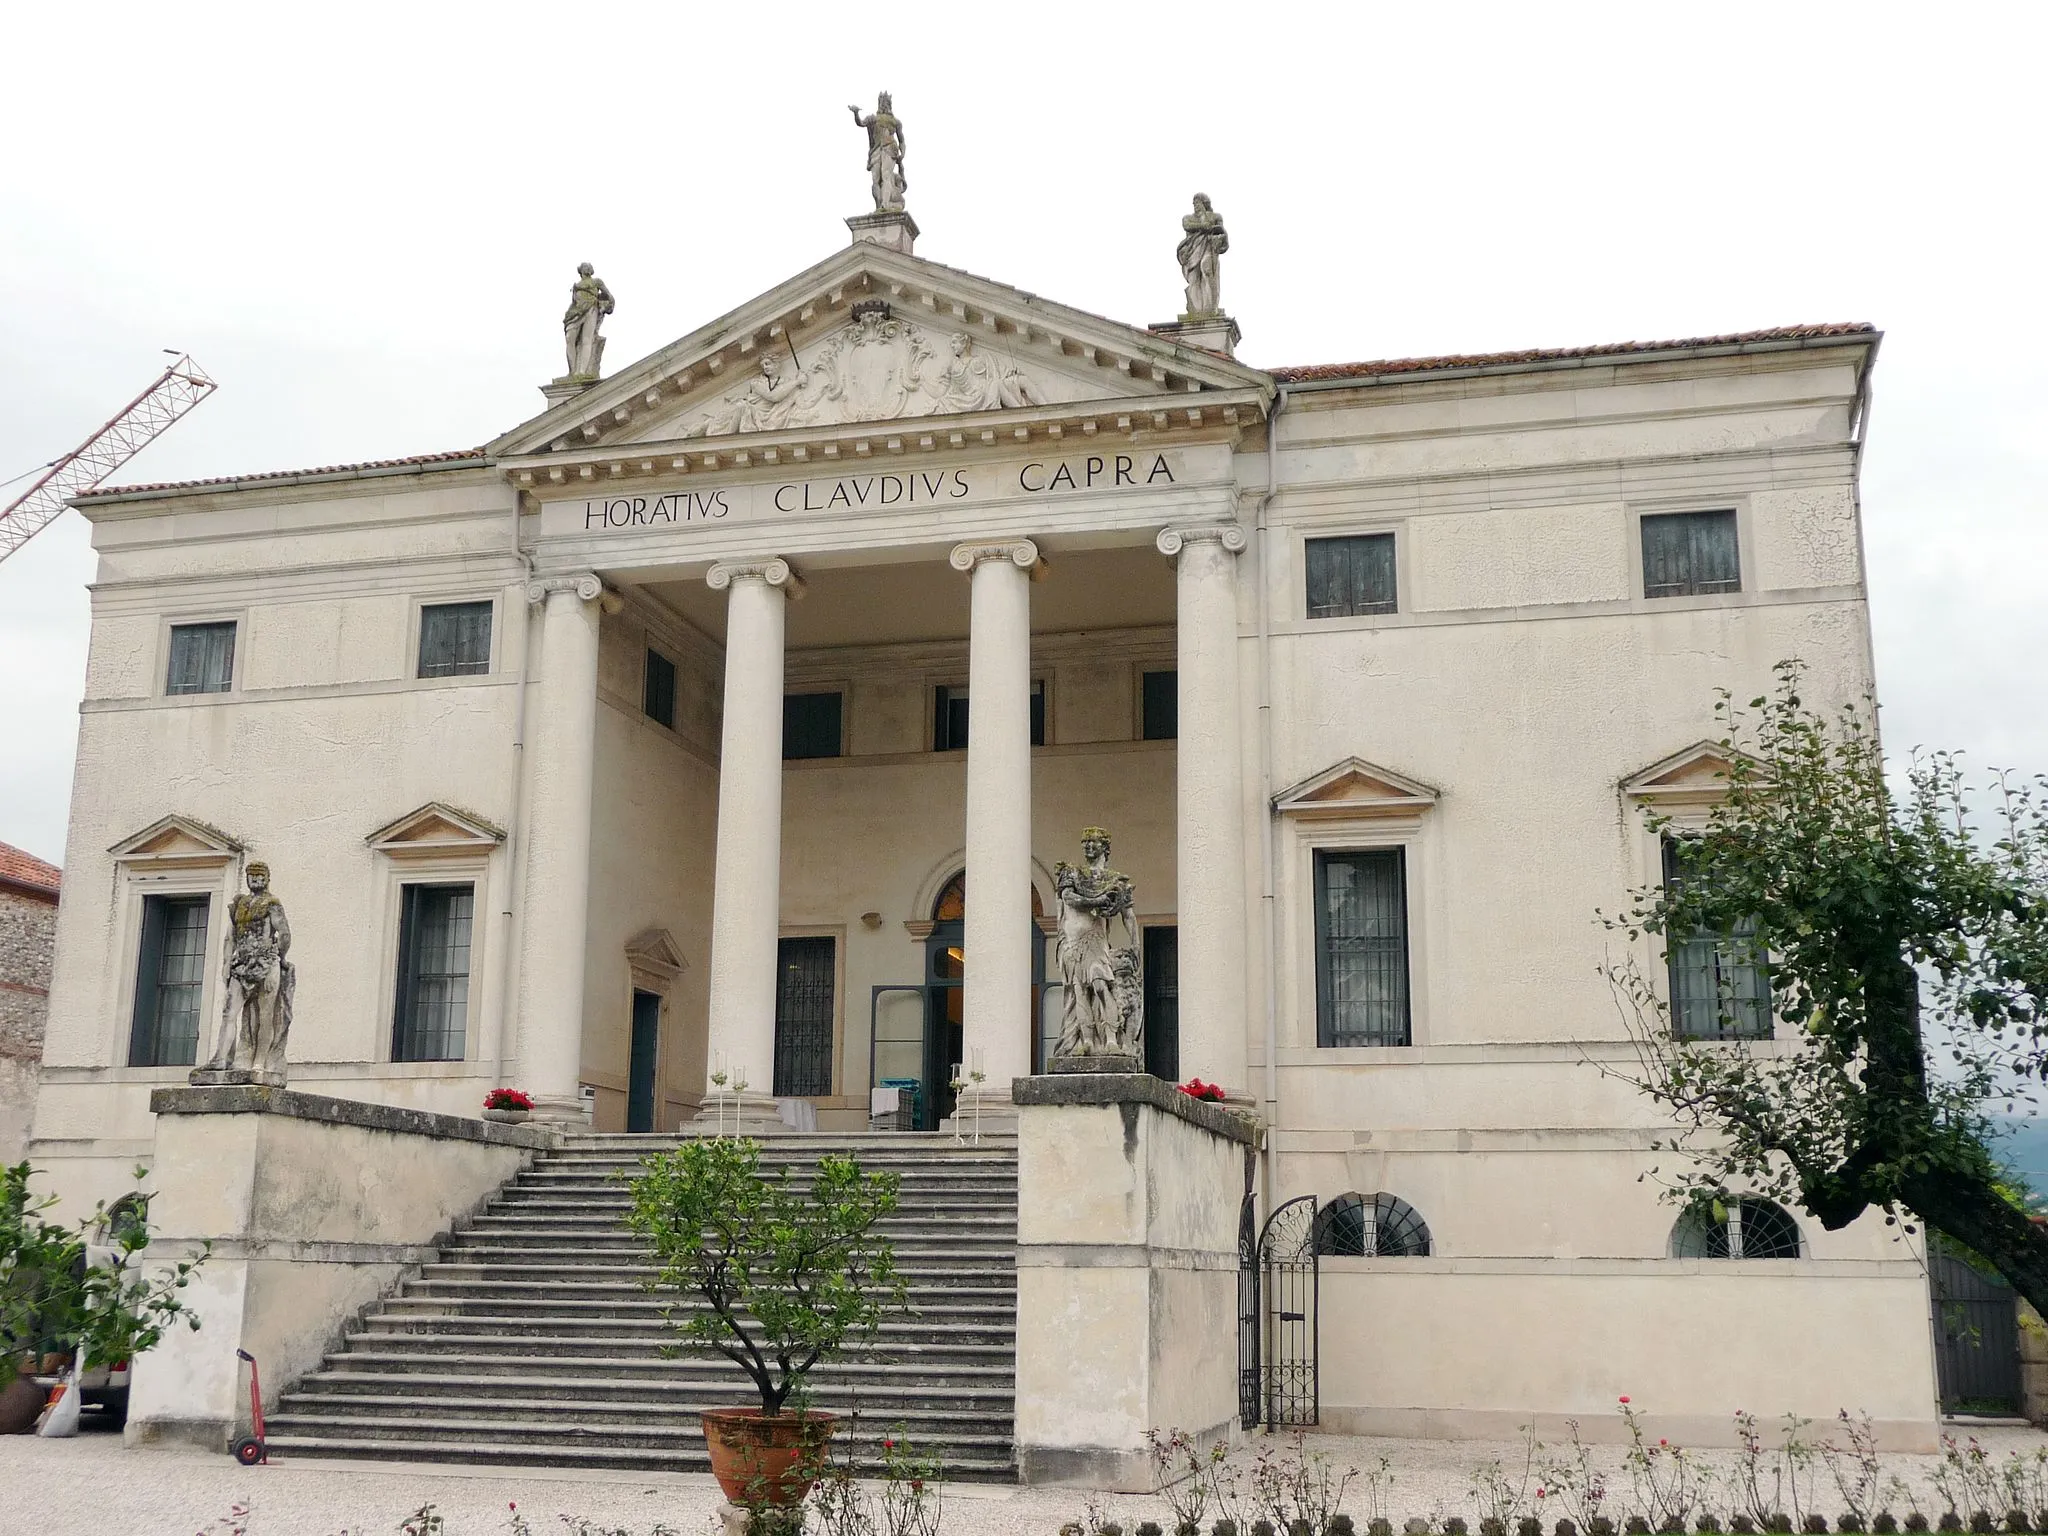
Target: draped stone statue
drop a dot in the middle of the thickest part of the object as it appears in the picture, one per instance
(589, 302)
(765, 404)
(1202, 245)
(971, 381)
(257, 983)
(1102, 1015)
(885, 154)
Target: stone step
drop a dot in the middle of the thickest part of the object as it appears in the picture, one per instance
(626, 1317)
(888, 1401)
(425, 1330)
(496, 1429)
(951, 1195)
(484, 1355)
(976, 1467)
(931, 1300)
(919, 1421)
(568, 1267)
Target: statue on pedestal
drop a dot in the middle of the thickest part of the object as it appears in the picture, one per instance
(1202, 245)
(1102, 1017)
(589, 302)
(885, 154)
(257, 986)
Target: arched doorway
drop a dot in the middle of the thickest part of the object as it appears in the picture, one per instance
(945, 971)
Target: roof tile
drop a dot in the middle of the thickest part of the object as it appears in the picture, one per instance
(19, 868)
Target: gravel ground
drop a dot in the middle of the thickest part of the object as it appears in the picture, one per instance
(93, 1484)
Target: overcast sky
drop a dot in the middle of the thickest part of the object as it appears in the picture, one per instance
(363, 220)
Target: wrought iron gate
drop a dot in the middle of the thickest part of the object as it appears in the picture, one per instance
(1976, 1329)
(1290, 1283)
(1248, 1384)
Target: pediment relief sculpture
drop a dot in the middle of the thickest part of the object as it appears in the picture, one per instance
(878, 368)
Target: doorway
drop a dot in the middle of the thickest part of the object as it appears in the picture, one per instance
(642, 1058)
(945, 972)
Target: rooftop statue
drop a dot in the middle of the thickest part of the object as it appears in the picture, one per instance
(885, 154)
(257, 983)
(589, 302)
(1201, 249)
(1102, 1017)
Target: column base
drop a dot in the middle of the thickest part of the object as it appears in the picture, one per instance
(752, 1115)
(996, 1115)
(562, 1110)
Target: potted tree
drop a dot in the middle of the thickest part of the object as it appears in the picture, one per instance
(56, 1294)
(777, 1279)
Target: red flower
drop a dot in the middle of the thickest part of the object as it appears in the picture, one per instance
(507, 1098)
(1663, 1442)
(1208, 1093)
(1624, 1399)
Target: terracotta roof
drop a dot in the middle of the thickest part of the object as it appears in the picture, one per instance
(1313, 371)
(418, 460)
(18, 868)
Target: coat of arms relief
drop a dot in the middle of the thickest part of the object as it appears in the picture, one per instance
(876, 369)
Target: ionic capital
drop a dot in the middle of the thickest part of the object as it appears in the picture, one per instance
(776, 573)
(1019, 552)
(1229, 535)
(583, 583)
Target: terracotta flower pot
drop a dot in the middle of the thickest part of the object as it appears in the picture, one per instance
(762, 1460)
(21, 1402)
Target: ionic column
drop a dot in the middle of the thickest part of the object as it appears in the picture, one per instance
(998, 932)
(746, 903)
(1209, 838)
(554, 930)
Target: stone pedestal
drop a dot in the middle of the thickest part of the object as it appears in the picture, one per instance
(897, 231)
(565, 389)
(1128, 1195)
(1123, 1065)
(1212, 333)
(233, 1077)
(314, 1207)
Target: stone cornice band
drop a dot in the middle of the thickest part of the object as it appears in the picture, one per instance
(582, 583)
(776, 572)
(1230, 535)
(1021, 552)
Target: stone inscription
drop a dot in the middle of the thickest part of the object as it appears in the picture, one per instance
(857, 493)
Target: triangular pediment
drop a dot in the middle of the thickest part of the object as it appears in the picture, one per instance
(1355, 787)
(871, 335)
(177, 840)
(655, 950)
(435, 829)
(1698, 775)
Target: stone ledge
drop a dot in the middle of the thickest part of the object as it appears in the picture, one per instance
(1135, 1088)
(255, 1100)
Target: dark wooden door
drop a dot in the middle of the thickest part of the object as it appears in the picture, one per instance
(1162, 1001)
(644, 1053)
(1977, 1338)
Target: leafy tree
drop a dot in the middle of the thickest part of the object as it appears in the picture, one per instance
(782, 1277)
(1907, 945)
(51, 1294)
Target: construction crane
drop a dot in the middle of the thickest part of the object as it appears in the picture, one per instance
(174, 392)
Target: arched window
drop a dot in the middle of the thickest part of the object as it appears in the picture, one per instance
(1380, 1226)
(1737, 1228)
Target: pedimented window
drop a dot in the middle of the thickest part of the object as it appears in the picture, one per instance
(177, 842)
(1354, 788)
(436, 831)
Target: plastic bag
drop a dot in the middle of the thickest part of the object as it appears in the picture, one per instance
(60, 1419)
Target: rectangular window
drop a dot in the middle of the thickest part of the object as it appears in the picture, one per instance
(1351, 576)
(433, 973)
(1720, 983)
(1688, 553)
(949, 718)
(811, 725)
(455, 639)
(803, 1017)
(170, 975)
(1161, 706)
(1162, 1000)
(1362, 948)
(658, 692)
(202, 658)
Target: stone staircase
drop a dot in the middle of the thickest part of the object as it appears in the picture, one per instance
(532, 1342)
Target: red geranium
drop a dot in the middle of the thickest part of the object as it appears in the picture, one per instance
(1208, 1093)
(507, 1098)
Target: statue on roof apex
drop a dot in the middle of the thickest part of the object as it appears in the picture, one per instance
(885, 154)
(1202, 245)
(589, 302)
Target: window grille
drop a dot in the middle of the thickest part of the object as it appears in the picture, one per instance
(1361, 948)
(1720, 982)
(803, 1017)
(1689, 553)
(1739, 1228)
(1383, 1226)
(170, 978)
(455, 639)
(433, 973)
(1161, 706)
(949, 717)
(811, 724)
(658, 690)
(1351, 576)
(202, 658)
